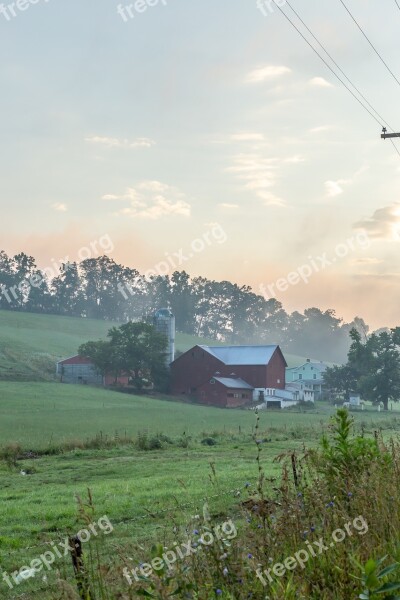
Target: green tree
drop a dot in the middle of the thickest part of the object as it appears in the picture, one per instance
(135, 349)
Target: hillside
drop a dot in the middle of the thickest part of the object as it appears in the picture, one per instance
(30, 344)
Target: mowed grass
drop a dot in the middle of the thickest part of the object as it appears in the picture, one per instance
(37, 414)
(145, 494)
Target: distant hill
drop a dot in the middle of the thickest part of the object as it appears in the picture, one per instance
(31, 344)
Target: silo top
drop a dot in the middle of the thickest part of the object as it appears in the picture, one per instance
(163, 312)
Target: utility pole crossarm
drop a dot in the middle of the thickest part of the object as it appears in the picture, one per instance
(389, 135)
(386, 135)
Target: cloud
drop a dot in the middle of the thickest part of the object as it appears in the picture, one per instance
(366, 260)
(294, 160)
(151, 200)
(111, 142)
(269, 199)
(321, 129)
(334, 188)
(383, 224)
(266, 73)
(228, 206)
(59, 207)
(247, 137)
(320, 82)
(260, 174)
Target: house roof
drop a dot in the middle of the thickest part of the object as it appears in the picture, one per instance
(237, 384)
(318, 366)
(75, 360)
(242, 355)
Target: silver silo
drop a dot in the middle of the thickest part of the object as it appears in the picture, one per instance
(164, 322)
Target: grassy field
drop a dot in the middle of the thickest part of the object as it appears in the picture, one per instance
(30, 344)
(145, 494)
(37, 414)
(75, 438)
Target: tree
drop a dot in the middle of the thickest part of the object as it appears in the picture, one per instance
(135, 349)
(104, 356)
(372, 369)
(381, 383)
(141, 352)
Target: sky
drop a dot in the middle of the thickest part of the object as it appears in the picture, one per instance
(206, 136)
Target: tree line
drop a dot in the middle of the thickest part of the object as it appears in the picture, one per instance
(100, 288)
(372, 369)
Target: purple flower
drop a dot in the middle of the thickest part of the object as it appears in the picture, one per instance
(218, 592)
(196, 532)
(249, 555)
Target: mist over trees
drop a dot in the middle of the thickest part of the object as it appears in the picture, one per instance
(372, 368)
(100, 288)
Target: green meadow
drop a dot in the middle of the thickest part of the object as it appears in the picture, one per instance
(151, 463)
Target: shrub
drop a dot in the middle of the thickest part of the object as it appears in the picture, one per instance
(10, 454)
(209, 441)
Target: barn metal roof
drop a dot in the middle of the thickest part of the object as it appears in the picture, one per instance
(242, 355)
(238, 384)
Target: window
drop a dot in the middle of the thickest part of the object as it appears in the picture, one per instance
(244, 396)
(230, 395)
(300, 376)
(278, 381)
(212, 381)
(315, 376)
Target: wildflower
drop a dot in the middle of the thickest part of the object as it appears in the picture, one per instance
(249, 555)
(312, 528)
(349, 494)
(330, 504)
(247, 484)
(196, 532)
(225, 571)
(218, 592)
(299, 495)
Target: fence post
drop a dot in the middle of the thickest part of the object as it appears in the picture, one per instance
(81, 577)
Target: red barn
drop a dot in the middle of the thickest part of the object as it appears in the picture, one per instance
(225, 392)
(259, 367)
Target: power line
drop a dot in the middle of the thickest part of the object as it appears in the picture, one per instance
(397, 4)
(337, 66)
(328, 65)
(395, 147)
(331, 69)
(370, 43)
